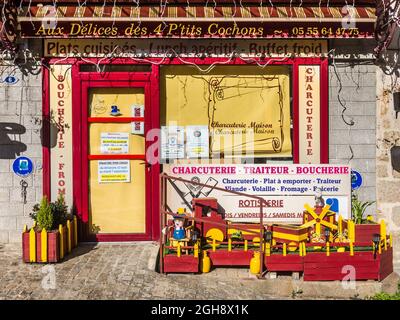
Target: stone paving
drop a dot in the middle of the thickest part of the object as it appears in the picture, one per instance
(126, 271)
(114, 271)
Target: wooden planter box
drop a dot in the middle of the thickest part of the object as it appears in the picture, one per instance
(319, 267)
(365, 232)
(49, 246)
(183, 264)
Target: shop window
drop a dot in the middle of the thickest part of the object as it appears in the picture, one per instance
(244, 112)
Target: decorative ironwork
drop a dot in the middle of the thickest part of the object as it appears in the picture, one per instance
(386, 10)
(8, 25)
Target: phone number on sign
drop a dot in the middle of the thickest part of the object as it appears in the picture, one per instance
(325, 31)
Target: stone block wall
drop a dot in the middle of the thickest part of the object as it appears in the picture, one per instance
(388, 180)
(352, 99)
(20, 124)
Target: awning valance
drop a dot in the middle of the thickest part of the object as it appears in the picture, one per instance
(198, 21)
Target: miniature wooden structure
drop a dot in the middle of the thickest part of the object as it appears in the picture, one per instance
(321, 248)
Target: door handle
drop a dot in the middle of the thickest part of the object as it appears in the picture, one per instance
(146, 164)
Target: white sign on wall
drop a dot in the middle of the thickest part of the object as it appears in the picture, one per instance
(114, 142)
(285, 189)
(111, 171)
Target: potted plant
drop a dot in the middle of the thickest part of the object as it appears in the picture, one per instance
(364, 228)
(53, 234)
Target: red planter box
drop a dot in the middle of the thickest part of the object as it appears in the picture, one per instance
(232, 258)
(183, 264)
(319, 267)
(365, 232)
(53, 247)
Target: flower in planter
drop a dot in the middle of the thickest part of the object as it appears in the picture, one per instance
(49, 215)
(358, 208)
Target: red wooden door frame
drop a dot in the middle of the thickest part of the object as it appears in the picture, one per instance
(113, 80)
(154, 79)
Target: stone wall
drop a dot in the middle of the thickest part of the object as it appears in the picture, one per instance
(20, 124)
(388, 180)
(352, 88)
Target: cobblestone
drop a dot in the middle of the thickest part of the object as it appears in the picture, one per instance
(115, 271)
(126, 271)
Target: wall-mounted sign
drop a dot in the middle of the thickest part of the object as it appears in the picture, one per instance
(22, 166)
(61, 132)
(186, 47)
(137, 112)
(197, 141)
(172, 142)
(114, 142)
(356, 180)
(285, 188)
(309, 114)
(110, 171)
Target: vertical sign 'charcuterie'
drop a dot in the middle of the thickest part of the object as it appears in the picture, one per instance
(61, 132)
(309, 114)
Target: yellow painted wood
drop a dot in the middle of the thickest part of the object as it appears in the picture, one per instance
(205, 263)
(391, 240)
(69, 236)
(178, 248)
(196, 250)
(291, 237)
(245, 245)
(243, 232)
(284, 249)
(351, 230)
(43, 242)
(255, 264)
(379, 248)
(229, 244)
(351, 248)
(340, 224)
(32, 246)
(328, 249)
(304, 248)
(75, 231)
(25, 228)
(60, 230)
(383, 229)
(267, 249)
(214, 245)
(300, 250)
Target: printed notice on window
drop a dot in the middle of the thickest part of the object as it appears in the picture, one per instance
(197, 141)
(172, 142)
(110, 171)
(114, 142)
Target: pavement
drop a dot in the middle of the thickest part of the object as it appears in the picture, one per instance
(127, 271)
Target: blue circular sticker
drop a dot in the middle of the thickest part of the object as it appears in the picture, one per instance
(356, 179)
(23, 166)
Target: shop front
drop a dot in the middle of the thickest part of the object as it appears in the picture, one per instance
(130, 92)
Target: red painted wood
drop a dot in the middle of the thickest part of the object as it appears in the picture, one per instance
(25, 247)
(115, 120)
(46, 130)
(38, 247)
(116, 157)
(53, 247)
(184, 263)
(365, 232)
(233, 258)
(295, 116)
(324, 112)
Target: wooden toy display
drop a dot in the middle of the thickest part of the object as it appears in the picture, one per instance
(321, 248)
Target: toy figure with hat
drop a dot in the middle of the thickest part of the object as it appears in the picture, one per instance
(179, 224)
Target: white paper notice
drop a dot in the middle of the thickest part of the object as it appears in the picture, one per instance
(197, 141)
(114, 142)
(110, 171)
(137, 112)
(172, 142)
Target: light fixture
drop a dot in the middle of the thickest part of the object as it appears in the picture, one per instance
(396, 102)
(395, 158)
(376, 239)
(327, 233)
(268, 236)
